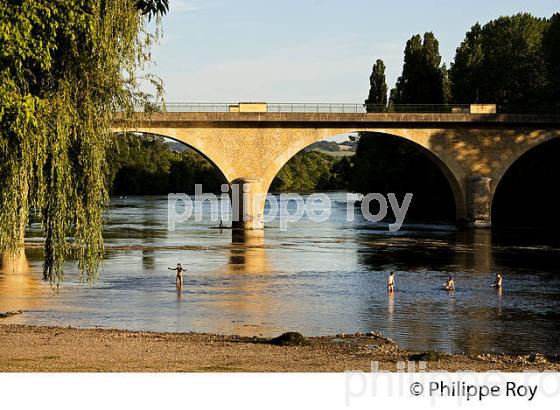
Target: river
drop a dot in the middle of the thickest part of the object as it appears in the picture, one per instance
(315, 278)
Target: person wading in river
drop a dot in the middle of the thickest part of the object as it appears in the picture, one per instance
(179, 277)
(391, 282)
(450, 284)
(498, 283)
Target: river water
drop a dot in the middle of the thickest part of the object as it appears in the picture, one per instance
(315, 278)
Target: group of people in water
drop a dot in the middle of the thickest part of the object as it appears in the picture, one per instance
(449, 284)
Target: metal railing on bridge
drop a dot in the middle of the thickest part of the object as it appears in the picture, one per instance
(337, 108)
(363, 108)
(347, 108)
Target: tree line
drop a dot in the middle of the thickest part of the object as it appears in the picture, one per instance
(512, 60)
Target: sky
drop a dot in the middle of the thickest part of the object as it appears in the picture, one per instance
(315, 51)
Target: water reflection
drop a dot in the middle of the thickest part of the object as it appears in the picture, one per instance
(391, 309)
(148, 259)
(14, 262)
(500, 293)
(478, 258)
(444, 250)
(248, 253)
(20, 285)
(248, 281)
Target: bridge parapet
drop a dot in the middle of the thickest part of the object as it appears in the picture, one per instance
(349, 108)
(334, 120)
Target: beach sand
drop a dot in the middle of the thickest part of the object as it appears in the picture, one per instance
(58, 349)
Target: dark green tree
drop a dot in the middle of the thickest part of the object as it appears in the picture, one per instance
(311, 170)
(422, 79)
(341, 173)
(502, 62)
(551, 51)
(377, 98)
(152, 8)
(465, 73)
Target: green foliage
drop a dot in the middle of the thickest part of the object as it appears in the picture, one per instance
(502, 62)
(422, 79)
(551, 47)
(447, 93)
(378, 87)
(153, 7)
(309, 171)
(144, 165)
(512, 60)
(65, 67)
(466, 71)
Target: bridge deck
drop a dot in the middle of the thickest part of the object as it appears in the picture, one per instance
(337, 120)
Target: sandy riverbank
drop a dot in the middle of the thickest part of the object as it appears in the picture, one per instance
(44, 349)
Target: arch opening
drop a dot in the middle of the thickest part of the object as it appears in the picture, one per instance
(525, 196)
(322, 166)
(385, 163)
(143, 163)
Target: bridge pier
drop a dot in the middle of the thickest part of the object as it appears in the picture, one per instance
(247, 203)
(479, 201)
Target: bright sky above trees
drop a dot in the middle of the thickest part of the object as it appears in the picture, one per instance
(306, 50)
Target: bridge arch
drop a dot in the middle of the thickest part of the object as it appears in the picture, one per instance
(521, 192)
(182, 136)
(450, 170)
(529, 142)
(194, 148)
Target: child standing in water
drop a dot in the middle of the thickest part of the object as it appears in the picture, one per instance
(179, 277)
(391, 282)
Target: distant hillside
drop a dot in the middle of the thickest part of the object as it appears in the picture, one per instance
(343, 149)
(175, 146)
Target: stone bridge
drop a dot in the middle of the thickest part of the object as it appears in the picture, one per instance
(473, 150)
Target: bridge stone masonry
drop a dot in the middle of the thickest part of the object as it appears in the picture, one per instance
(249, 145)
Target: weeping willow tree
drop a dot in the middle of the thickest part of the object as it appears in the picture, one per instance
(66, 66)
